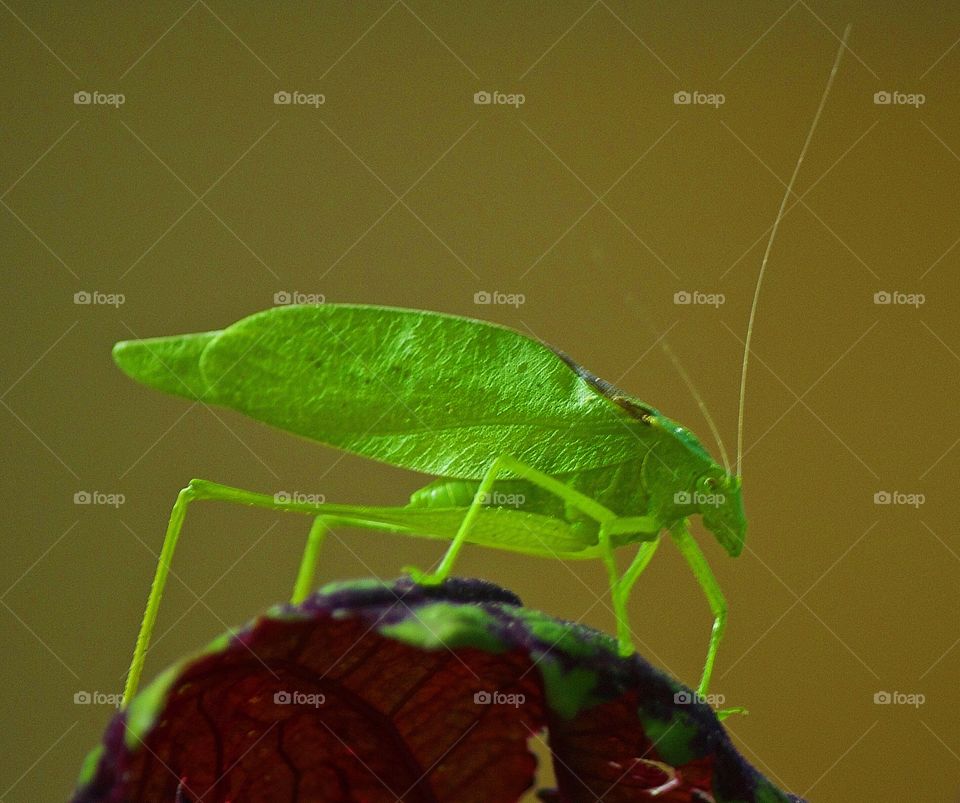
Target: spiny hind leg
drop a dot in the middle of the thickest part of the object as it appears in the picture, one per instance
(174, 525)
(205, 490)
(308, 563)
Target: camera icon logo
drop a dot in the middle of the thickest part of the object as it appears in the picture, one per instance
(882, 698)
(282, 297)
(682, 498)
(682, 297)
(882, 297)
(882, 498)
(683, 698)
(882, 98)
(482, 297)
(282, 698)
(482, 98)
(282, 497)
(82, 698)
(82, 98)
(482, 698)
(82, 297)
(282, 98)
(82, 498)
(682, 98)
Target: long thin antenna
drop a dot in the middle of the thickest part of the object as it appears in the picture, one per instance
(773, 234)
(699, 399)
(661, 340)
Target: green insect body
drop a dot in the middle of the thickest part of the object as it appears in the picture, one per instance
(295, 367)
(672, 488)
(528, 451)
(532, 453)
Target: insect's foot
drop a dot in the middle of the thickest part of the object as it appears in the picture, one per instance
(422, 578)
(723, 713)
(625, 649)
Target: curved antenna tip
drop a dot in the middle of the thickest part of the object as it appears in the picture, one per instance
(773, 234)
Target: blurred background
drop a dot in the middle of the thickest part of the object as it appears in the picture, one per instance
(154, 182)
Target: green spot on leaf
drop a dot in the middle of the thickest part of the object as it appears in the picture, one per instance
(445, 625)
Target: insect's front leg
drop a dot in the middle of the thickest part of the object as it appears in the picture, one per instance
(711, 588)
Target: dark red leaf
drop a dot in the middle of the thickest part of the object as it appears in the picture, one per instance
(372, 692)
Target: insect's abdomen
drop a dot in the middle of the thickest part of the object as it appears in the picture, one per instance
(445, 493)
(515, 494)
(619, 488)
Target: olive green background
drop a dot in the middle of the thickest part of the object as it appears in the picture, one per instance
(598, 199)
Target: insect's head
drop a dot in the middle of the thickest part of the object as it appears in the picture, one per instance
(702, 486)
(718, 499)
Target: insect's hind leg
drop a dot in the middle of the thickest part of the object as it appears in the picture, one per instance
(202, 489)
(308, 563)
(175, 524)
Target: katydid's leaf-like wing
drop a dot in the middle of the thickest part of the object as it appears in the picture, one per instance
(435, 393)
(170, 364)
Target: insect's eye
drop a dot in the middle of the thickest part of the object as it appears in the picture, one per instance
(709, 484)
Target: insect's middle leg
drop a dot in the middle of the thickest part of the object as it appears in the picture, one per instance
(620, 591)
(508, 465)
(610, 525)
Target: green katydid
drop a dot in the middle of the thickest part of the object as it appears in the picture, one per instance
(495, 416)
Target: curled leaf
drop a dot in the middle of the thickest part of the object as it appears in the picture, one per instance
(386, 692)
